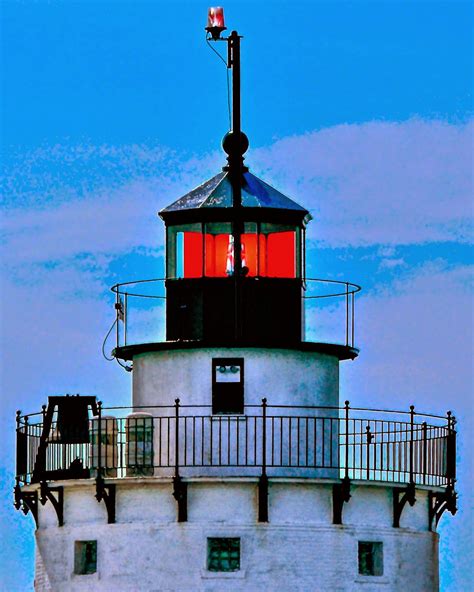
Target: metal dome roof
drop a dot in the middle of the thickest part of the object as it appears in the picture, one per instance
(217, 193)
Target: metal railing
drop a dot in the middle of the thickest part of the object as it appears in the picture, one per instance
(306, 441)
(328, 309)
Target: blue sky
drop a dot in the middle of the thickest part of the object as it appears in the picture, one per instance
(361, 111)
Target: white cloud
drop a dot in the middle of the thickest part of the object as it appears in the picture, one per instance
(368, 184)
(416, 341)
(378, 182)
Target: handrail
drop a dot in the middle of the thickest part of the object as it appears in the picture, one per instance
(269, 406)
(131, 298)
(117, 288)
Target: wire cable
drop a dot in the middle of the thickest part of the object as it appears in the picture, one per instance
(227, 73)
(127, 368)
(105, 341)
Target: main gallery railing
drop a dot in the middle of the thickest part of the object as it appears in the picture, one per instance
(296, 441)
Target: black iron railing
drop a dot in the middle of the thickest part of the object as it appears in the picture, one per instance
(321, 442)
(329, 311)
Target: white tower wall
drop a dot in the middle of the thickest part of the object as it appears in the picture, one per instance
(283, 376)
(299, 549)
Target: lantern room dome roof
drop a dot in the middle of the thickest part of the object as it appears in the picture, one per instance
(216, 193)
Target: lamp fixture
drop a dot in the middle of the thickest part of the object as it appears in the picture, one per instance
(215, 22)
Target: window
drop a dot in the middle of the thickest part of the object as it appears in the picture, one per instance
(85, 557)
(228, 385)
(268, 250)
(370, 558)
(223, 554)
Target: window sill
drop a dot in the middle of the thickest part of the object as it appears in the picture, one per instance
(86, 577)
(213, 575)
(382, 580)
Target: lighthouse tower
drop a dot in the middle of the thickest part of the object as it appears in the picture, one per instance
(239, 465)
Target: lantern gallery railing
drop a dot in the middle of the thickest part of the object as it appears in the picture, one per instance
(319, 442)
(328, 310)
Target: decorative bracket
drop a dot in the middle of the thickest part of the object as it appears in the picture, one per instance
(106, 493)
(439, 502)
(263, 498)
(180, 494)
(407, 496)
(341, 493)
(47, 493)
(27, 501)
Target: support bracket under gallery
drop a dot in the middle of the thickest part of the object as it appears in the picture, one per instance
(106, 493)
(439, 503)
(55, 495)
(341, 494)
(27, 501)
(263, 498)
(401, 497)
(180, 494)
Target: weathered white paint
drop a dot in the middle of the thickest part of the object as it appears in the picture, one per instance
(299, 549)
(282, 376)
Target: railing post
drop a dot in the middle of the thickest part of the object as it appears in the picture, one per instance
(180, 490)
(425, 449)
(346, 461)
(176, 438)
(117, 319)
(412, 421)
(264, 437)
(369, 440)
(451, 450)
(263, 481)
(347, 314)
(27, 438)
(20, 449)
(125, 315)
(99, 440)
(352, 318)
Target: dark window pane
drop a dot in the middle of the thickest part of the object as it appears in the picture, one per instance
(228, 385)
(370, 558)
(85, 557)
(223, 554)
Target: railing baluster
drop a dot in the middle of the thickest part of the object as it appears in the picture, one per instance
(125, 316)
(353, 317)
(298, 442)
(99, 435)
(281, 441)
(347, 314)
(194, 441)
(255, 441)
(307, 444)
(185, 463)
(228, 440)
(273, 441)
(412, 418)
(323, 452)
(238, 440)
(289, 441)
(220, 439)
(211, 430)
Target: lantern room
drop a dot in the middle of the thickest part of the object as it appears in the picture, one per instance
(208, 298)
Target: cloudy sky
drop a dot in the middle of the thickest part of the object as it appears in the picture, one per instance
(360, 111)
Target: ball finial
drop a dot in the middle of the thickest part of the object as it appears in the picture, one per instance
(230, 145)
